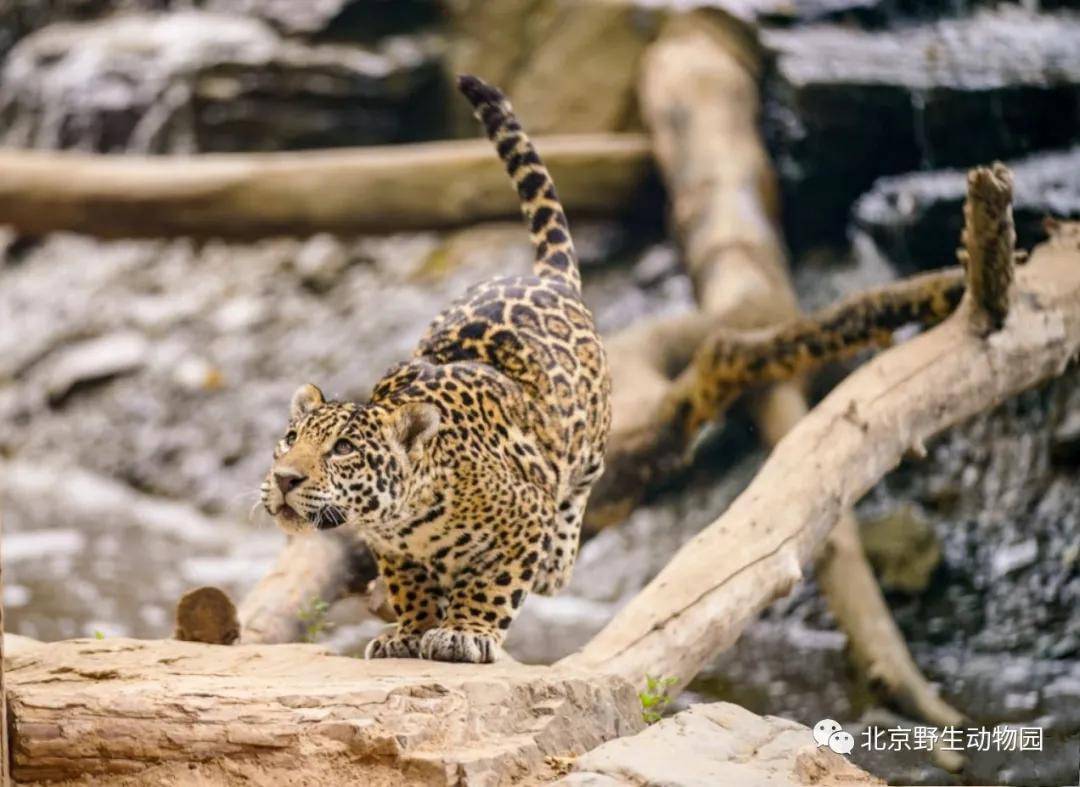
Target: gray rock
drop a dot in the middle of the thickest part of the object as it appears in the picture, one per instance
(93, 361)
(320, 261)
(193, 81)
(364, 20)
(847, 106)
(1014, 557)
(916, 219)
(716, 744)
(1066, 445)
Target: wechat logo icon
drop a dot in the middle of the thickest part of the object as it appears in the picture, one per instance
(829, 733)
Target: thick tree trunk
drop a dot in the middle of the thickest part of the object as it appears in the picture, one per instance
(699, 98)
(353, 191)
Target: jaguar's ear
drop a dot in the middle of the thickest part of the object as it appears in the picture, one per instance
(414, 425)
(307, 398)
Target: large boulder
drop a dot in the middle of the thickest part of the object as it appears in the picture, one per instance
(194, 81)
(847, 106)
(719, 743)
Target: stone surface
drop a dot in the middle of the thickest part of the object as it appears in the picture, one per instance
(715, 744)
(195, 81)
(915, 219)
(354, 20)
(846, 106)
(94, 360)
(122, 711)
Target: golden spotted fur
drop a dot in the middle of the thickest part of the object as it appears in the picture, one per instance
(468, 471)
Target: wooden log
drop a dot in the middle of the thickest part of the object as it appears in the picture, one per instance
(348, 191)
(699, 98)
(131, 712)
(319, 567)
(755, 552)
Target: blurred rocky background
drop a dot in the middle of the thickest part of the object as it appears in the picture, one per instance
(143, 383)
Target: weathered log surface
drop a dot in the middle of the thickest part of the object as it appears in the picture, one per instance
(147, 712)
(754, 553)
(699, 98)
(347, 191)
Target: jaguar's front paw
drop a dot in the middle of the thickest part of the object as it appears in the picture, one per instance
(443, 644)
(393, 645)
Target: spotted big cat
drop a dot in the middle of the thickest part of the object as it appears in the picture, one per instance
(468, 470)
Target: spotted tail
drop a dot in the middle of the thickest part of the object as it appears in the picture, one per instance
(548, 229)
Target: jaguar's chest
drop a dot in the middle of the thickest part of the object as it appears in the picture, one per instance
(443, 538)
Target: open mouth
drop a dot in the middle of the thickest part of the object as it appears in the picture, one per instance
(288, 515)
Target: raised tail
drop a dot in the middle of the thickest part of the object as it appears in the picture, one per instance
(544, 216)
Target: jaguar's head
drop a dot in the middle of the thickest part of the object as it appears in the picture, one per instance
(346, 464)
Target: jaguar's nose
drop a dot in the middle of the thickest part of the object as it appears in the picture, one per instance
(288, 479)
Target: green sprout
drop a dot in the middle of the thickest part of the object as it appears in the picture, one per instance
(655, 699)
(99, 634)
(313, 616)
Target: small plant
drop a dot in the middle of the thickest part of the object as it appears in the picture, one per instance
(313, 616)
(655, 699)
(99, 634)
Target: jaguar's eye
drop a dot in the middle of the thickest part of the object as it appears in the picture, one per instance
(290, 437)
(342, 447)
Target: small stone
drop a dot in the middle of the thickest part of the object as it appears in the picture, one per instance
(903, 549)
(1065, 440)
(198, 374)
(239, 314)
(321, 261)
(95, 360)
(656, 264)
(1015, 557)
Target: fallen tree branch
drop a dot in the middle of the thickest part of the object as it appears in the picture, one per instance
(323, 567)
(754, 553)
(699, 98)
(351, 191)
